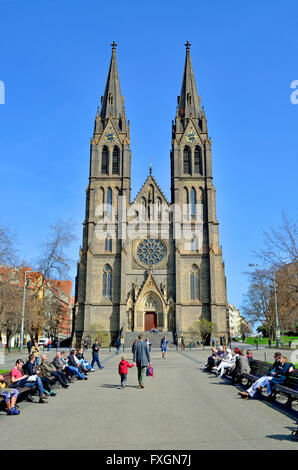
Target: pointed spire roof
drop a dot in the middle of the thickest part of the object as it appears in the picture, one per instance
(189, 100)
(112, 102)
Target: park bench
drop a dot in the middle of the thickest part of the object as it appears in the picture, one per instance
(257, 370)
(288, 389)
(23, 391)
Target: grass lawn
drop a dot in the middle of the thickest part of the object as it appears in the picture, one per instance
(2, 371)
(283, 339)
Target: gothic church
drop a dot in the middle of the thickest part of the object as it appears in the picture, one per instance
(140, 272)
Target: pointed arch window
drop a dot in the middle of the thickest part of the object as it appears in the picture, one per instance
(107, 282)
(105, 160)
(194, 283)
(116, 161)
(144, 207)
(109, 201)
(198, 167)
(193, 202)
(159, 208)
(187, 161)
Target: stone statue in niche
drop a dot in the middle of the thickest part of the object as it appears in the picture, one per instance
(130, 308)
(171, 313)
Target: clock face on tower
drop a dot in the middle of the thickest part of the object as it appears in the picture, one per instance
(191, 137)
(110, 137)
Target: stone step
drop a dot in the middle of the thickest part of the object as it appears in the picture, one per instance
(155, 338)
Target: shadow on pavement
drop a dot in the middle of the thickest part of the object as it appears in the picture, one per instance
(117, 386)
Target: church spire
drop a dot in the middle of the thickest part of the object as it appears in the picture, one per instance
(189, 103)
(112, 101)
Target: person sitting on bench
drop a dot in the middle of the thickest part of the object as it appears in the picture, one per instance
(277, 375)
(49, 370)
(85, 365)
(10, 396)
(25, 380)
(41, 382)
(60, 362)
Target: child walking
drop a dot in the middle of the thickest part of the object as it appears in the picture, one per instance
(123, 365)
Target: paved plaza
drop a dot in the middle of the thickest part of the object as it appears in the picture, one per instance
(182, 407)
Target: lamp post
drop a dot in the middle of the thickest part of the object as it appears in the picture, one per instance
(23, 312)
(277, 333)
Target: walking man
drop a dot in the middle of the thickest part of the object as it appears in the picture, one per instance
(141, 357)
(29, 346)
(95, 358)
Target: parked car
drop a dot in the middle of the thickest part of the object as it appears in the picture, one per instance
(43, 341)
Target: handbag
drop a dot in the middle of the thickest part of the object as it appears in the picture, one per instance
(149, 372)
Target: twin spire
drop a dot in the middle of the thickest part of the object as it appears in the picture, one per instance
(189, 103)
(113, 103)
(112, 100)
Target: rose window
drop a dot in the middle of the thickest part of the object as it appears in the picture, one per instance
(151, 251)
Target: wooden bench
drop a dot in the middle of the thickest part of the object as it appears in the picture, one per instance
(23, 391)
(257, 370)
(288, 388)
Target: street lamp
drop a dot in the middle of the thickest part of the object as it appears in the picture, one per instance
(23, 312)
(277, 333)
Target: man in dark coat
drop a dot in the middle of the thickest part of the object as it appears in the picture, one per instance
(141, 357)
(95, 358)
(29, 346)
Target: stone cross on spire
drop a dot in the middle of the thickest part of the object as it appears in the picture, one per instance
(114, 46)
(187, 46)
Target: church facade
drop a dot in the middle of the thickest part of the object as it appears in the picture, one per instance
(150, 262)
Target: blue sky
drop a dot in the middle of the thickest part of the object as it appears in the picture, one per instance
(54, 59)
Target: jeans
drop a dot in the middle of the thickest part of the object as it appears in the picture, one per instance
(36, 361)
(123, 379)
(60, 377)
(46, 383)
(23, 383)
(118, 350)
(85, 365)
(95, 358)
(39, 385)
(74, 370)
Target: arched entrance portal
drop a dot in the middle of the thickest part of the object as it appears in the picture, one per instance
(150, 321)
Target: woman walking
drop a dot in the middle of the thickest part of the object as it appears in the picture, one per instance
(164, 347)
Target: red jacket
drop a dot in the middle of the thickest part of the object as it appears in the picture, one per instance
(123, 367)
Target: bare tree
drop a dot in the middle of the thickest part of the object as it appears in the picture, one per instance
(258, 305)
(11, 296)
(280, 257)
(7, 248)
(202, 329)
(280, 245)
(54, 261)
